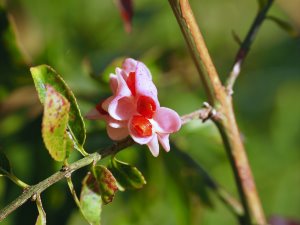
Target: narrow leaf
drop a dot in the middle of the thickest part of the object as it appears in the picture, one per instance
(41, 220)
(107, 183)
(90, 200)
(128, 177)
(55, 120)
(285, 26)
(44, 75)
(4, 165)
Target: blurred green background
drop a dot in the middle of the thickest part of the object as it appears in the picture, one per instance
(81, 38)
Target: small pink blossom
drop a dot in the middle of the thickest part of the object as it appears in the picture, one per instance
(134, 109)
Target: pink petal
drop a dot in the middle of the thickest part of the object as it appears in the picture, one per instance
(113, 83)
(145, 87)
(129, 65)
(106, 103)
(94, 114)
(167, 119)
(117, 134)
(122, 89)
(153, 146)
(120, 105)
(116, 123)
(121, 108)
(142, 69)
(164, 141)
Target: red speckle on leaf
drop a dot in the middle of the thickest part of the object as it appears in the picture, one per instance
(51, 129)
(131, 82)
(50, 103)
(141, 126)
(110, 181)
(146, 106)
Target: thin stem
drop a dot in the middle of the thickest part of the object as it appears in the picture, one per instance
(246, 45)
(222, 102)
(232, 204)
(40, 187)
(72, 190)
(42, 213)
(17, 181)
(68, 169)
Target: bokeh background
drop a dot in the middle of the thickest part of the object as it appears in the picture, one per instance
(83, 39)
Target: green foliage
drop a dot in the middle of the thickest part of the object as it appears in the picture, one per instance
(55, 121)
(90, 200)
(106, 182)
(127, 176)
(4, 165)
(53, 32)
(44, 75)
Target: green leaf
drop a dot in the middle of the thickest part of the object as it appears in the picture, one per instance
(285, 26)
(41, 220)
(128, 177)
(55, 120)
(107, 183)
(4, 165)
(44, 75)
(90, 200)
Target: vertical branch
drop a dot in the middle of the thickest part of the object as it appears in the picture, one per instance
(198, 49)
(245, 45)
(219, 99)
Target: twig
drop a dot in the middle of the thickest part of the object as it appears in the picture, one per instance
(223, 195)
(222, 102)
(72, 190)
(42, 213)
(246, 45)
(207, 112)
(67, 170)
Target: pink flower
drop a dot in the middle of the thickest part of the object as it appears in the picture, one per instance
(134, 109)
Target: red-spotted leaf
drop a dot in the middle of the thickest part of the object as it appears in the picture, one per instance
(107, 183)
(90, 199)
(44, 75)
(128, 177)
(55, 121)
(5, 168)
(126, 10)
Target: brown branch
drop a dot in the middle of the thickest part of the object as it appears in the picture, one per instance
(226, 123)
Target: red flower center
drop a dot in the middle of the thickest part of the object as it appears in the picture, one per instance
(141, 126)
(146, 106)
(131, 82)
(100, 109)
